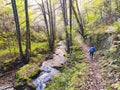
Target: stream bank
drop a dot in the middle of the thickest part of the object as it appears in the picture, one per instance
(48, 69)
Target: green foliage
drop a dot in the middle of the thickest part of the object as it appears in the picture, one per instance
(36, 58)
(68, 79)
(117, 85)
(93, 10)
(77, 51)
(4, 8)
(109, 63)
(2, 40)
(53, 2)
(7, 63)
(117, 25)
(38, 36)
(40, 47)
(21, 13)
(73, 73)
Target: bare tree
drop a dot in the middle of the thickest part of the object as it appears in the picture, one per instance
(18, 34)
(28, 44)
(65, 17)
(50, 21)
(70, 13)
(79, 20)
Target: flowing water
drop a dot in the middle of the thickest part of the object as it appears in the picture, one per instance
(47, 68)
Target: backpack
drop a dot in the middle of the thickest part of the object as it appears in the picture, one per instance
(92, 49)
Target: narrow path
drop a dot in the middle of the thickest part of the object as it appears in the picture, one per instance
(94, 80)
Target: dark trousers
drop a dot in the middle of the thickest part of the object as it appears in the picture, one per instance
(91, 54)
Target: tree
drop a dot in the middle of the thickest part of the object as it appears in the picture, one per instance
(65, 17)
(18, 34)
(70, 14)
(49, 22)
(79, 19)
(28, 44)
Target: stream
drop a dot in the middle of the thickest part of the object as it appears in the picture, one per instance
(48, 67)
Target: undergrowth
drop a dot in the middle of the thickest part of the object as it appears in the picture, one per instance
(73, 74)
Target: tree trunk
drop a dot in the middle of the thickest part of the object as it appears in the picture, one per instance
(49, 22)
(46, 22)
(81, 31)
(80, 16)
(28, 44)
(17, 28)
(64, 11)
(70, 6)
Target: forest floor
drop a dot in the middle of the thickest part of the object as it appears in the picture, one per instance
(94, 80)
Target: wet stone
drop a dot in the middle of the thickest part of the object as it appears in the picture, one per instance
(47, 68)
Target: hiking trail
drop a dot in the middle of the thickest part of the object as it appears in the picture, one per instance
(94, 79)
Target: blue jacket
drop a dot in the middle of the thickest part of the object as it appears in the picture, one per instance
(92, 49)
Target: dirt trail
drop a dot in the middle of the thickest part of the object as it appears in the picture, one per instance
(94, 79)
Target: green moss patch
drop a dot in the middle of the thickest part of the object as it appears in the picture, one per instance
(70, 79)
(27, 72)
(40, 48)
(73, 73)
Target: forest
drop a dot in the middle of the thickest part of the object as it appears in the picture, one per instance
(46, 44)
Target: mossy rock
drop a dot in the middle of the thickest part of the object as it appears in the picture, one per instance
(8, 64)
(27, 72)
(24, 86)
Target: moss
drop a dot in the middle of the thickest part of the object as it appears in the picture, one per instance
(73, 74)
(24, 86)
(39, 48)
(70, 78)
(27, 72)
(8, 64)
(36, 58)
(38, 37)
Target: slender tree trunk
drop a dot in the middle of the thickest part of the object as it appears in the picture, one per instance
(81, 31)
(46, 22)
(50, 25)
(28, 44)
(54, 20)
(64, 11)
(70, 6)
(17, 28)
(54, 23)
(50, 22)
(80, 16)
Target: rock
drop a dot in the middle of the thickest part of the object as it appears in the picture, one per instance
(27, 72)
(47, 68)
(7, 87)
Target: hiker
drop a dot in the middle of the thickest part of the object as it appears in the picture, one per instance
(91, 51)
